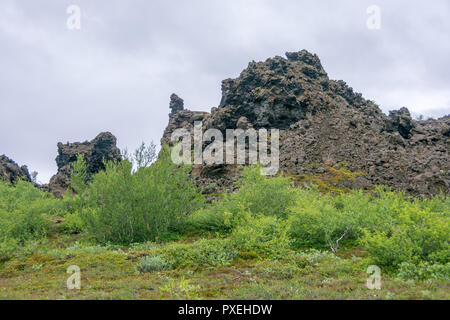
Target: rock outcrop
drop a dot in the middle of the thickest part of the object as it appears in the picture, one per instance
(176, 104)
(103, 147)
(325, 126)
(11, 172)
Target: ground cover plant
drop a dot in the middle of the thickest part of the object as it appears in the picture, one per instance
(147, 232)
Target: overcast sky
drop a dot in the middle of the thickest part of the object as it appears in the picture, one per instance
(117, 72)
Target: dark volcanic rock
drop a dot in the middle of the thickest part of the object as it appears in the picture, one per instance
(181, 118)
(102, 147)
(11, 172)
(400, 121)
(274, 93)
(176, 104)
(323, 121)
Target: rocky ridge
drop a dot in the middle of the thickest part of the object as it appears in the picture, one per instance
(324, 126)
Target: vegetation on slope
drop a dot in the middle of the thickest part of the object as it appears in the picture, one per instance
(148, 233)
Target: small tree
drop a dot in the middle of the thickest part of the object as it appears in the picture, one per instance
(149, 204)
(79, 175)
(142, 157)
(145, 155)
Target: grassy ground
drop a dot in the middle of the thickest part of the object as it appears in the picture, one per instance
(109, 273)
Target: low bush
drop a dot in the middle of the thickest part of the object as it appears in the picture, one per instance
(79, 176)
(24, 212)
(321, 221)
(72, 224)
(152, 203)
(393, 229)
(153, 263)
(325, 221)
(257, 194)
(424, 270)
(8, 247)
(264, 235)
(313, 257)
(204, 252)
(419, 235)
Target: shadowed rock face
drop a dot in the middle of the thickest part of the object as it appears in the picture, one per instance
(323, 121)
(176, 104)
(11, 172)
(275, 93)
(102, 147)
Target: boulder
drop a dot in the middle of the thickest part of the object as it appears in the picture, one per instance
(11, 172)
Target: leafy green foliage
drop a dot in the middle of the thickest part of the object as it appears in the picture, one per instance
(260, 194)
(267, 219)
(424, 270)
(205, 252)
(78, 177)
(23, 211)
(419, 235)
(325, 221)
(257, 194)
(73, 224)
(393, 229)
(7, 248)
(264, 235)
(126, 207)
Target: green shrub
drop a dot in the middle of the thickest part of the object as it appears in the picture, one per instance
(267, 236)
(152, 203)
(8, 247)
(257, 194)
(254, 235)
(72, 224)
(205, 252)
(77, 249)
(419, 235)
(321, 221)
(153, 263)
(313, 257)
(78, 177)
(214, 219)
(316, 222)
(24, 211)
(23, 226)
(180, 289)
(22, 195)
(24, 217)
(424, 271)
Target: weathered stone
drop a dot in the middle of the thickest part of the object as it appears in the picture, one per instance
(176, 104)
(103, 147)
(11, 172)
(323, 121)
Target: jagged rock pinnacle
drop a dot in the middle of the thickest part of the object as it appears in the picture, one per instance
(176, 104)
